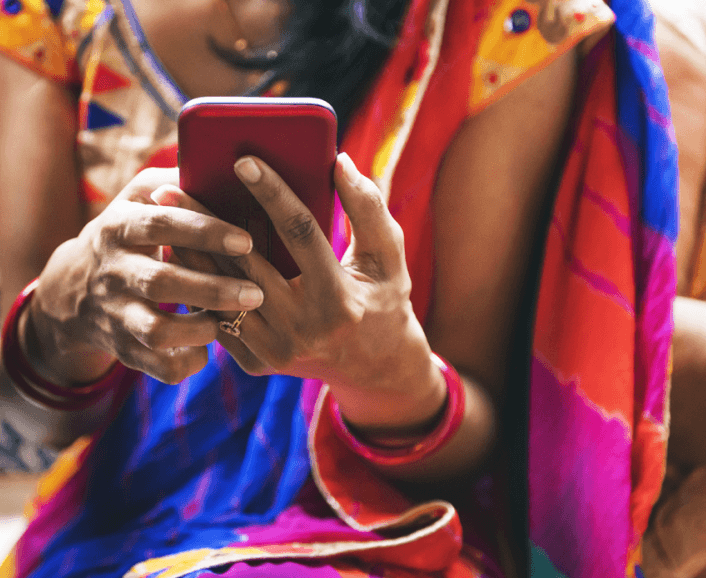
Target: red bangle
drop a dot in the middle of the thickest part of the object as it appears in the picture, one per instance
(442, 433)
(29, 383)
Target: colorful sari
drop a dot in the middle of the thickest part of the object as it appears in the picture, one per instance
(214, 476)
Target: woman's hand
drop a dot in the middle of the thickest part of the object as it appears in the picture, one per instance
(350, 324)
(98, 297)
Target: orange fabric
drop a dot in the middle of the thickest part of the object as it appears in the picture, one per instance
(570, 237)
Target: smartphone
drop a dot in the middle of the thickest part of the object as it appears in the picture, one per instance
(294, 136)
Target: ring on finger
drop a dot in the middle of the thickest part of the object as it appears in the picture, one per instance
(233, 327)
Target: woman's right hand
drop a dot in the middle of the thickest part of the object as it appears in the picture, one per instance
(98, 296)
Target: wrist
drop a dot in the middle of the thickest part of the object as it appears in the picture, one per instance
(402, 447)
(60, 359)
(405, 394)
(24, 375)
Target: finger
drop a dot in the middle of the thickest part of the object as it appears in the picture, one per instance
(270, 344)
(374, 229)
(168, 365)
(214, 263)
(238, 348)
(245, 358)
(195, 260)
(168, 283)
(294, 223)
(266, 345)
(252, 266)
(139, 225)
(142, 185)
(157, 329)
(211, 263)
(171, 196)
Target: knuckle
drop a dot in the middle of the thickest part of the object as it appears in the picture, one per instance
(406, 283)
(201, 225)
(372, 195)
(105, 233)
(178, 365)
(154, 224)
(154, 332)
(300, 228)
(397, 234)
(151, 280)
(342, 312)
(351, 313)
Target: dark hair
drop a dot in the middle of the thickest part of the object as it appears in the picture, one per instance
(332, 50)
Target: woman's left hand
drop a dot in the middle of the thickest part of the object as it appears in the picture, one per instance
(349, 324)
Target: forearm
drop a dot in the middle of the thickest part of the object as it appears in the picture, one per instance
(39, 209)
(33, 432)
(426, 405)
(465, 453)
(30, 424)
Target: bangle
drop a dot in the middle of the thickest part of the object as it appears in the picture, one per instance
(419, 448)
(33, 386)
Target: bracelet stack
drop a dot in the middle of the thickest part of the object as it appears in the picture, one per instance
(405, 450)
(33, 386)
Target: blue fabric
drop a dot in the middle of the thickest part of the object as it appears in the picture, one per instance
(184, 467)
(55, 6)
(644, 113)
(98, 117)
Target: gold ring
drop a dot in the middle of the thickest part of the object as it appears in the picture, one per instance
(233, 327)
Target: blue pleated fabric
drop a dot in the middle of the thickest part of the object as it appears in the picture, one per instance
(183, 467)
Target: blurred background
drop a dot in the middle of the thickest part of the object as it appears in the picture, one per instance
(15, 490)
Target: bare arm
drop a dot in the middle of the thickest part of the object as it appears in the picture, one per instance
(491, 192)
(38, 174)
(39, 210)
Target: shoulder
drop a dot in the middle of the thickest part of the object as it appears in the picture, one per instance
(521, 37)
(45, 35)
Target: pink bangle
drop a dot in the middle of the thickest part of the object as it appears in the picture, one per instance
(31, 384)
(418, 449)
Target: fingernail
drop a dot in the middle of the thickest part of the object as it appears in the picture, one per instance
(165, 197)
(237, 244)
(251, 297)
(248, 171)
(350, 172)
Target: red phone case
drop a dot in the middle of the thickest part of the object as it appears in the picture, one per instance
(295, 136)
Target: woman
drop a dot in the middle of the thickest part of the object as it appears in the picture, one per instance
(179, 470)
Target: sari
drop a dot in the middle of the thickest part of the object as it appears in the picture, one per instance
(227, 474)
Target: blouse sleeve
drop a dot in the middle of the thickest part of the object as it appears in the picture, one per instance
(45, 35)
(521, 37)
